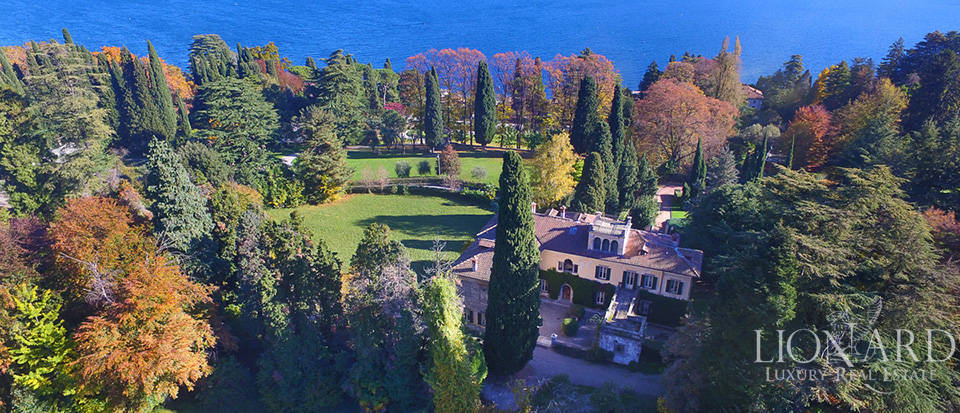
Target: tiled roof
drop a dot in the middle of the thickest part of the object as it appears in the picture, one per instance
(751, 92)
(569, 236)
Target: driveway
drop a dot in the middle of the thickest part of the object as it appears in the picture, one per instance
(546, 363)
(666, 198)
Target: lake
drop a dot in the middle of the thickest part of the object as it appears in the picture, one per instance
(631, 33)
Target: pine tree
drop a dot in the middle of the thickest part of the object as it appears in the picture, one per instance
(513, 303)
(722, 169)
(585, 118)
(161, 95)
(183, 118)
(651, 76)
(8, 76)
(180, 208)
(433, 112)
(484, 106)
(590, 194)
(697, 180)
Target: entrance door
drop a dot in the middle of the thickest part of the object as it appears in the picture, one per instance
(566, 292)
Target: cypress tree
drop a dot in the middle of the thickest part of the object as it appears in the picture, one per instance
(67, 38)
(433, 115)
(600, 143)
(651, 76)
(387, 65)
(793, 147)
(615, 120)
(697, 179)
(513, 303)
(8, 76)
(628, 184)
(370, 81)
(184, 118)
(645, 207)
(484, 106)
(585, 118)
(754, 164)
(161, 94)
(590, 194)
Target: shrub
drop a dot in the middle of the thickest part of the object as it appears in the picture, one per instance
(570, 327)
(599, 355)
(402, 168)
(424, 168)
(478, 173)
(575, 311)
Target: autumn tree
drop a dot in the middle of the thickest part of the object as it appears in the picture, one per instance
(810, 137)
(551, 174)
(565, 74)
(673, 116)
(726, 83)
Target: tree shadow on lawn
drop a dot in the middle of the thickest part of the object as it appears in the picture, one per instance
(451, 225)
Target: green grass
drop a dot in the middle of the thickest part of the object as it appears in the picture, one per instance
(414, 220)
(677, 213)
(361, 160)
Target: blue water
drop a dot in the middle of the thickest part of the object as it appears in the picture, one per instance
(631, 33)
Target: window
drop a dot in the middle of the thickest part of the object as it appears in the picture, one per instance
(630, 279)
(675, 287)
(606, 245)
(614, 247)
(560, 266)
(648, 281)
(469, 316)
(543, 286)
(600, 297)
(602, 273)
(480, 318)
(596, 243)
(568, 266)
(618, 348)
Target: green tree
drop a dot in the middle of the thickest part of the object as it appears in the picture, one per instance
(457, 368)
(590, 193)
(628, 184)
(697, 180)
(233, 115)
(601, 144)
(938, 95)
(394, 127)
(618, 133)
(645, 208)
(726, 81)
(341, 93)
(161, 95)
(513, 304)
(651, 76)
(721, 169)
(756, 162)
(180, 208)
(433, 111)
(211, 59)
(322, 166)
(585, 117)
(484, 106)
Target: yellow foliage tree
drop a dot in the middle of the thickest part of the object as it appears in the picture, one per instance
(552, 167)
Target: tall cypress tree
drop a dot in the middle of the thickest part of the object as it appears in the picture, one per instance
(627, 179)
(697, 179)
(183, 118)
(484, 106)
(585, 118)
(161, 94)
(645, 207)
(433, 112)
(67, 38)
(590, 194)
(8, 76)
(615, 120)
(754, 164)
(513, 301)
(600, 143)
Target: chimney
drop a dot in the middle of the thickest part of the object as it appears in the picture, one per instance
(563, 212)
(533, 207)
(473, 262)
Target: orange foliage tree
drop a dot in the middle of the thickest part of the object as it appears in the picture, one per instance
(176, 81)
(673, 115)
(945, 230)
(811, 134)
(564, 76)
(146, 338)
(457, 73)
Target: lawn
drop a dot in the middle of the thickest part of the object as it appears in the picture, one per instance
(677, 213)
(414, 220)
(361, 160)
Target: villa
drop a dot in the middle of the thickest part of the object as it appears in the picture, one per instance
(592, 260)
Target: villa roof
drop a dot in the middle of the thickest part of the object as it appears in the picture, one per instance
(751, 92)
(569, 235)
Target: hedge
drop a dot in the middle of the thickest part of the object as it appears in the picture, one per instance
(584, 290)
(664, 310)
(570, 327)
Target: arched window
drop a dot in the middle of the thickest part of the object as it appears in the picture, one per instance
(567, 266)
(614, 247)
(596, 243)
(606, 245)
